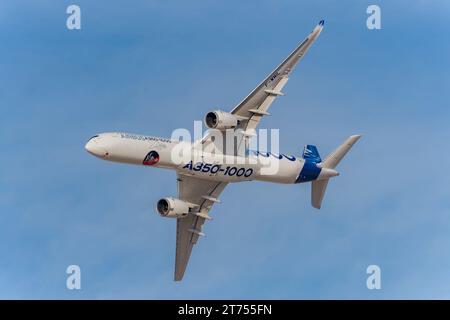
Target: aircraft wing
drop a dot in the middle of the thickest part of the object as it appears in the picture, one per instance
(257, 103)
(204, 193)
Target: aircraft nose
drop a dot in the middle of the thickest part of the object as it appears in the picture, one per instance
(94, 148)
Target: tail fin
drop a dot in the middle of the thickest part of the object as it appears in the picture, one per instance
(310, 152)
(318, 187)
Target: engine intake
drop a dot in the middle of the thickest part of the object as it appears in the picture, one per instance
(172, 207)
(221, 120)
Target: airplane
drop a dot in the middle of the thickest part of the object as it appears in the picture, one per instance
(203, 175)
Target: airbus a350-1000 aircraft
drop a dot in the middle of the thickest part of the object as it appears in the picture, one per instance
(203, 176)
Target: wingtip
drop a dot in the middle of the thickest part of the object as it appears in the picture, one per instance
(177, 278)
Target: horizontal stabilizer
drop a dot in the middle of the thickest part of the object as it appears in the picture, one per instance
(318, 188)
(336, 156)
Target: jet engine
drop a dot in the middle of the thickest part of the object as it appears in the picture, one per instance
(221, 120)
(172, 207)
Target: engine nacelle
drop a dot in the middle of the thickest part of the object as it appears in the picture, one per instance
(221, 120)
(172, 207)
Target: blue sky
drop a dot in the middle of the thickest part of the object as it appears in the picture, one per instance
(151, 66)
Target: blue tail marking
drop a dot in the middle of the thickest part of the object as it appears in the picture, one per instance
(309, 170)
(310, 153)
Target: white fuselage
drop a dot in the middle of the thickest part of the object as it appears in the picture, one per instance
(164, 153)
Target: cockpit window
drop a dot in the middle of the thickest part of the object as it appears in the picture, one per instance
(93, 137)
